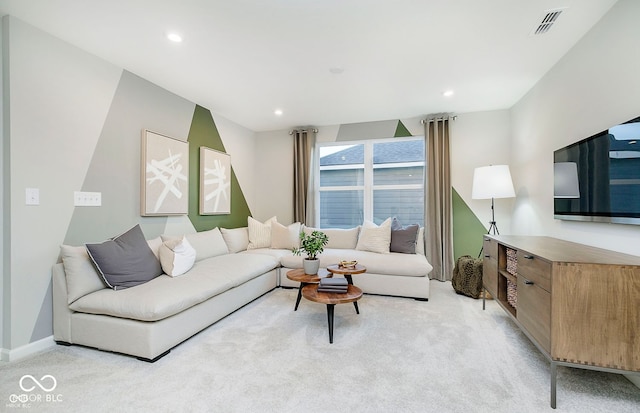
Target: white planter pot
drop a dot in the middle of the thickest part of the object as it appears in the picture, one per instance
(311, 267)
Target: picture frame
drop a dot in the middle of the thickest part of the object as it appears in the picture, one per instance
(215, 182)
(164, 175)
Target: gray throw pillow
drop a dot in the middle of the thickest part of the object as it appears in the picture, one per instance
(403, 239)
(126, 260)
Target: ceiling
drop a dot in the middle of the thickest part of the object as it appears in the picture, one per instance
(243, 59)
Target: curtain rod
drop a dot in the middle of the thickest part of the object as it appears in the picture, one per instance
(423, 121)
(314, 130)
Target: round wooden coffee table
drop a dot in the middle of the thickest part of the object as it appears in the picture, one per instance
(298, 275)
(353, 294)
(347, 272)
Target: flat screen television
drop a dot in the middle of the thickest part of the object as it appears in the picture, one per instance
(598, 178)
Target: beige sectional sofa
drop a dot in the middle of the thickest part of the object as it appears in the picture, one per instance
(229, 271)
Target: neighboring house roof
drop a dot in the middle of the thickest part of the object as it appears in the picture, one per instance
(387, 152)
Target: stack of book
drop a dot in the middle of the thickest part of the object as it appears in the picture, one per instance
(333, 285)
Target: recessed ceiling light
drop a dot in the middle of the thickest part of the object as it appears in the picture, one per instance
(447, 93)
(174, 37)
(278, 112)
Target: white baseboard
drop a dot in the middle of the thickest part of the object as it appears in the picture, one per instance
(27, 350)
(633, 378)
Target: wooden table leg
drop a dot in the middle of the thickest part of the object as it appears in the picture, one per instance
(299, 296)
(350, 281)
(330, 308)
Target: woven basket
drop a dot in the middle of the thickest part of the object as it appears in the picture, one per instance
(512, 262)
(512, 294)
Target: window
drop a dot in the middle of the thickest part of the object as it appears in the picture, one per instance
(371, 180)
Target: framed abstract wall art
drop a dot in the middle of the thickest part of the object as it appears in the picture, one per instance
(215, 182)
(164, 175)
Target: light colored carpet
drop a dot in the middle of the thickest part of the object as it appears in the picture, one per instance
(398, 355)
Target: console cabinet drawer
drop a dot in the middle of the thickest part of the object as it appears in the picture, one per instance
(534, 312)
(534, 269)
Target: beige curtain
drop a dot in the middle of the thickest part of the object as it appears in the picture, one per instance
(438, 211)
(303, 197)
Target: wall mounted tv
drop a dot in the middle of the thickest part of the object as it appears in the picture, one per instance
(598, 178)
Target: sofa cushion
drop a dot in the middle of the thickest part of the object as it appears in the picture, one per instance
(403, 239)
(165, 296)
(338, 237)
(82, 276)
(285, 237)
(207, 244)
(259, 233)
(237, 239)
(177, 256)
(409, 265)
(126, 260)
(375, 238)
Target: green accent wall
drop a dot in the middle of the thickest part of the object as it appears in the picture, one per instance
(401, 131)
(203, 132)
(467, 228)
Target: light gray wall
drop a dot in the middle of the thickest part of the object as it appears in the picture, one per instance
(73, 122)
(593, 87)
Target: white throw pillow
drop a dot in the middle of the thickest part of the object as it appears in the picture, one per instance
(375, 238)
(177, 256)
(237, 239)
(155, 244)
(420, 242)
(285, 237)
(259, 233)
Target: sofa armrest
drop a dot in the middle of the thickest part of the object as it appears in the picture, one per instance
(61, 311)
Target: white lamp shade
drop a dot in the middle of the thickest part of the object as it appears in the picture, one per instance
(565, 180)
(492, 182)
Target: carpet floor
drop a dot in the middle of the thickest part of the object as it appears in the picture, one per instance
(398, 355)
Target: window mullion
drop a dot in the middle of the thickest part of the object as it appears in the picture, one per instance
(368, 181)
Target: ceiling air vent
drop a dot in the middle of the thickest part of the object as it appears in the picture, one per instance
(547, 21)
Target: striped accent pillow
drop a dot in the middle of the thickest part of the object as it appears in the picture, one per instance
(259, 233)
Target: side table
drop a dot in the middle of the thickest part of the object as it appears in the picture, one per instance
(347, 272)
(353, 294)
(298, 275)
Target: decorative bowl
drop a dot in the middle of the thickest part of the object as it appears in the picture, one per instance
(347, 264)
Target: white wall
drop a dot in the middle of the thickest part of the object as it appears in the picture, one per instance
(593, 87)
(273, 180)
(239, 142)
(481, 139)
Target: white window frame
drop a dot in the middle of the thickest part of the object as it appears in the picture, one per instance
(368, 187)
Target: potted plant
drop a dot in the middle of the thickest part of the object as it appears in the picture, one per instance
(312, 244)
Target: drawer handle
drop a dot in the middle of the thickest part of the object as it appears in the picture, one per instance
(487, 239)
(528, 257)
(487, 256)
(528, 282)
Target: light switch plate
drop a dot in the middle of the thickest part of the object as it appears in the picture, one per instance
(87, 198)
(32, 196)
